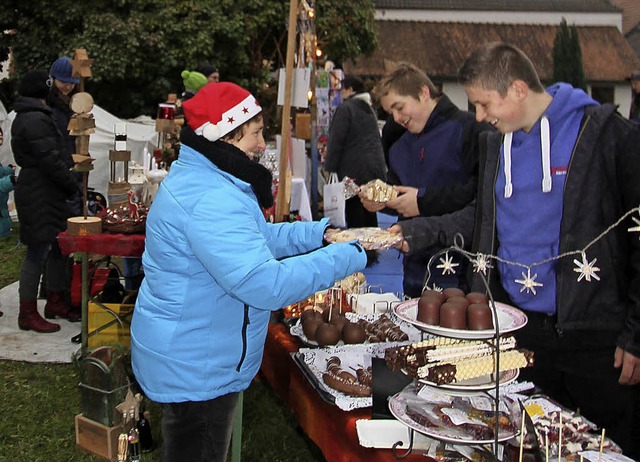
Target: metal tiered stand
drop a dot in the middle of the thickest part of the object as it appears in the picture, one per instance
(457, 248)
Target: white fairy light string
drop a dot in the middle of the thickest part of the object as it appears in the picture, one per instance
(587, 270)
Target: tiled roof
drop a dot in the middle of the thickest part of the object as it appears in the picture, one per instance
(499, 5)
(630, 13)
(440, 48)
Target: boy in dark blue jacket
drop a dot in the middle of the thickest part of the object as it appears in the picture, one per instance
(434, 165)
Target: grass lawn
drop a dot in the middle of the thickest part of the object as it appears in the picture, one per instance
(38, 403)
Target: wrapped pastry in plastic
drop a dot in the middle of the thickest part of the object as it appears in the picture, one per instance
(378, 191)
(370, 238)
(452, 418)
(351, 189)
(354, 284)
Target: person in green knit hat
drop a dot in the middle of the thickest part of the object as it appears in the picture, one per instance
(192, 81)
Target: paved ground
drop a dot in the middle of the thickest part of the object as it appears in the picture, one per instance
(19, 345)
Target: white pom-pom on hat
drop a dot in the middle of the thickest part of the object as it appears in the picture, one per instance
(218, 108)
(209, 131)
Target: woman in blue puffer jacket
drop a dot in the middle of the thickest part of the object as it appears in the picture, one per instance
(214, 271)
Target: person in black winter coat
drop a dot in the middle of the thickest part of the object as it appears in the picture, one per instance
(355, 147)
(44, 184)
(63, 86)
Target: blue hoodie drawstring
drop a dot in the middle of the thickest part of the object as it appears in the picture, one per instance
(545, 146)
(545, 141)
(508, 186)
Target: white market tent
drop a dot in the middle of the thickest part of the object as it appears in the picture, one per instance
(140, 134)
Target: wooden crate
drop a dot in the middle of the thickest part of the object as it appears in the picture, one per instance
(95, 438)
(115, 332)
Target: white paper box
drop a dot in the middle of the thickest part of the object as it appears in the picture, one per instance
(372, 303)
(383, 434)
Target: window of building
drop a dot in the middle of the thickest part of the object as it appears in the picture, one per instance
(602, 93)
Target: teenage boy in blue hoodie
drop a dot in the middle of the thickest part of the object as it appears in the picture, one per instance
(561, 170)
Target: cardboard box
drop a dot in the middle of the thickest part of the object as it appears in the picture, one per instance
(109, 323)
(95, 438)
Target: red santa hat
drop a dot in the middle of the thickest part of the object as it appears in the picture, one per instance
(218, 108)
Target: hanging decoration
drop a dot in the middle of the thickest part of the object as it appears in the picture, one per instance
(447, 265)
(587, 270)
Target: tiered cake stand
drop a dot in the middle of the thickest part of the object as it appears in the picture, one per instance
(506, 319)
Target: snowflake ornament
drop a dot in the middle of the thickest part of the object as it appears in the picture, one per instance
(529, 283)
(587, 269)
(634, 228)
(435, 288)
(481, 264)
(447, 265)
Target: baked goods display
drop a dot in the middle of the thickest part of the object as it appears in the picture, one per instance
(453, 309)
(325, 328)
(358, 384)
(578, 434)
(442, 360)
(427, 314)
(466, 350)
(469, 419)
(341, 374)
(370, 238)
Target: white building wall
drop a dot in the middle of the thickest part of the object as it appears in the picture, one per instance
(456, 94)
(622, 97)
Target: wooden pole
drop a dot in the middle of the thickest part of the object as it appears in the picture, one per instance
(282, 205)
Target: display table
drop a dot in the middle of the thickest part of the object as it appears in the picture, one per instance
(329, 427)
(122, 245)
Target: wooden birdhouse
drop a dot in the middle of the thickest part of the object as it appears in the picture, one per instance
(81, 64)
(82, 126)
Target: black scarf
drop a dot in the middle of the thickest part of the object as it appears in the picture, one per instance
(233, 161)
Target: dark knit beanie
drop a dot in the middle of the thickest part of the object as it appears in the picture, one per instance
(354, 83)
(35, 84)
(207, 69)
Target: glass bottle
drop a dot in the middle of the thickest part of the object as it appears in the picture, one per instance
(144, 428)
(123, 440)
(134, 438)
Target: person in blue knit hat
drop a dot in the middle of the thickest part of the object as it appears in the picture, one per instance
(41, 190)
(61, 70)
(63, 86)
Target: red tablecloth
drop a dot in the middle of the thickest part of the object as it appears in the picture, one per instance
(333, 430)
(123, 245)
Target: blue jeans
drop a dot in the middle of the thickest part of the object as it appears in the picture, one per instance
(198, 431)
